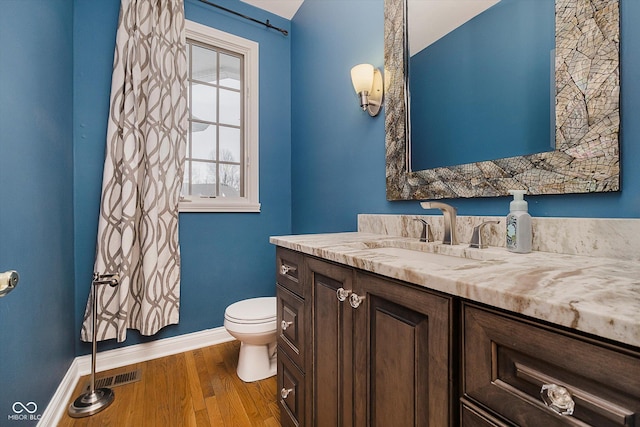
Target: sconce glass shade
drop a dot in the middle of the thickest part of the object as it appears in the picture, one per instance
(367, 82)
(362, 78)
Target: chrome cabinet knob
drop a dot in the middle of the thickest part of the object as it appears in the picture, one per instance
(355, 300)
(284, 325)
(8, 281)
(342, 294)
(284, 269)
(284, 393)
(557, 398)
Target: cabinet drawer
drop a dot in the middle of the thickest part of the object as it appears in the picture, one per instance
(291, 325)
(288, 270)
(291, 392)
(473, 417)
(507, 361)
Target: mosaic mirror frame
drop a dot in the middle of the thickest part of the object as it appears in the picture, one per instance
(587, 155)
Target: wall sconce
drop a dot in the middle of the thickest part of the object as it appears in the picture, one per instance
(367, 82)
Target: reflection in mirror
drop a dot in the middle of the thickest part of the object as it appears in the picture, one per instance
(486, 89)
(586, 158)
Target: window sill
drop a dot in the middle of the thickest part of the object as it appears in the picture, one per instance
(218, 205)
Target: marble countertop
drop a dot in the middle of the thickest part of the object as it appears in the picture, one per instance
(600, 296)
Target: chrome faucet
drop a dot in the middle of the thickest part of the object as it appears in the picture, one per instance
(449, 213)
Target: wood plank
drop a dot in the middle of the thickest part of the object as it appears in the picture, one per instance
(255, 409)
(215, 417)
(132, 416)
(202, 418)
(231, 407)
(197, 396)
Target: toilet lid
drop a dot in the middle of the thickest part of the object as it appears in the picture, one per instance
(253, 310)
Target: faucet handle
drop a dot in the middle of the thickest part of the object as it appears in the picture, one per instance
(427, 234)
(476, 238)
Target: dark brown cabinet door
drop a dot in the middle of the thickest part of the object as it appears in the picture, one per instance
(402, 355)
(332, 344)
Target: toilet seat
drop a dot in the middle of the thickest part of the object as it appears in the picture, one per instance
(252, 311)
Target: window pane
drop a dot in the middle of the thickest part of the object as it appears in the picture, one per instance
(203, 65)
(203, 179)
(229, 71)
(229, 144)
(188, 150)
(229, 180)
(189, 98)
(203, 140)
(229, 107)
(186, 181)
(203, 102)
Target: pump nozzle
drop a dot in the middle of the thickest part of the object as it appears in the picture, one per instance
(518, 194)
(518, 203)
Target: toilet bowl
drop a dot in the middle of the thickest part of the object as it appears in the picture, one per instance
(253, 323)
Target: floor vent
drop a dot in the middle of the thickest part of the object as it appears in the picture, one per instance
(115, 380)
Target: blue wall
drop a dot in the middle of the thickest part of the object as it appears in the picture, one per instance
(36, 209)
(338, 151)
(489, 80)
(322, 163)
(225, 257)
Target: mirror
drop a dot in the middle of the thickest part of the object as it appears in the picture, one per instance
(586, 155)
(486, 79)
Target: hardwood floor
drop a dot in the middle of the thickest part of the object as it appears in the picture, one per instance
(196, 388)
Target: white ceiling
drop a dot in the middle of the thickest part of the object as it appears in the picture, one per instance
(429, 20)
(436, 17)
(284, 8)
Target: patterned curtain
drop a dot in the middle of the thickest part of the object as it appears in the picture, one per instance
(143, 170)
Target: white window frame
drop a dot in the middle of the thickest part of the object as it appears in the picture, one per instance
(249, 49)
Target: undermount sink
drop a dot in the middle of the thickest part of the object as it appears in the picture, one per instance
(428, 257)
(434, 252)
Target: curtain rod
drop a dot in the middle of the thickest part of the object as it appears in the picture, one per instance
(265, 23)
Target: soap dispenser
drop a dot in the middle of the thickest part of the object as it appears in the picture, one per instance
(519, 234)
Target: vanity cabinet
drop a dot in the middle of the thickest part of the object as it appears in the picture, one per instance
(379, 351)
(360, 349)
(519, 370)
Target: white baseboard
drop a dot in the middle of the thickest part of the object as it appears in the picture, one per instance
(122, 357)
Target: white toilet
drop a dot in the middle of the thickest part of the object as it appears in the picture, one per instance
(253, 323)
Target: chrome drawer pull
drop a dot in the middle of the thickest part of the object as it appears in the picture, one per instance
(284, 269)
(285, 392)
(284, 325)
(557, 398)
(342, 294)
(355, 300)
